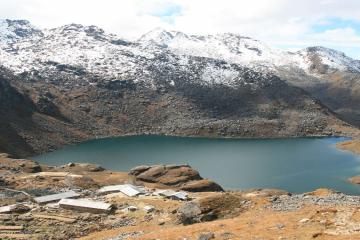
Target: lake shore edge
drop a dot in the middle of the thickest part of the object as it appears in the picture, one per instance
(210, 137)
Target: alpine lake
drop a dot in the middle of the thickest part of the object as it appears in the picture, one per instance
(296, 165)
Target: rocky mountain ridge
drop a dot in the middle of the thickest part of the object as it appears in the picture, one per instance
(328, 75)
(244, 50)
(93, 49)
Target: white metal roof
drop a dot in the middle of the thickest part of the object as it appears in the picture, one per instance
(180, 195)
(6, 209)
(13, 207)
(165, 193)
(84, 203)
(128, 189)
(56, 197)
(172, 194)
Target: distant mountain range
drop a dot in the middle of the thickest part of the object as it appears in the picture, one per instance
(81, 83)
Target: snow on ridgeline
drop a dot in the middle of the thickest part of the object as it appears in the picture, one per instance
(87, 47)
(228, 47)
(15, 30)
(244, 50)
(330, 57)
(24, 47)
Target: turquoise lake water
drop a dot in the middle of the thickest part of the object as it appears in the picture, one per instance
(296, 165)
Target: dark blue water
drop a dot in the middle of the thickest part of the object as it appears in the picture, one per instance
(296, 165)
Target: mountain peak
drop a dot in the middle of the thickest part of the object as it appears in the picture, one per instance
(331, 58)
(92, 29)
(15, 30)
(79, 31)
(231, 47)
(160, 36)
(321, 49)
(234, 35)
(21, 22)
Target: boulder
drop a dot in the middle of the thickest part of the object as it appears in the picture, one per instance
(153, 174)
(182, 177)
(189, 213)
(139, 169)
(206, 236)
(193, 212)
(203, 185)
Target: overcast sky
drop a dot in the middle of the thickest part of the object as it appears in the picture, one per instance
(289, 24)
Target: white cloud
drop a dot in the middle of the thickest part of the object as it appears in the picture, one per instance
(125, 17)
(279, 22)
(341, 36)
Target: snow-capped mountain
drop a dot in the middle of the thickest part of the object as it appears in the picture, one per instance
(331, 58)
(229, 47)
(25, 48)
(79, 82)
(245, 50)
(90, 49)
(76, 45)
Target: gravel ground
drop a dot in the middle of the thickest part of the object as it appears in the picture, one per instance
(126, 236)
(294, 202)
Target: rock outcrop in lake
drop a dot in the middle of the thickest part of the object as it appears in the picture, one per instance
(181, 177)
